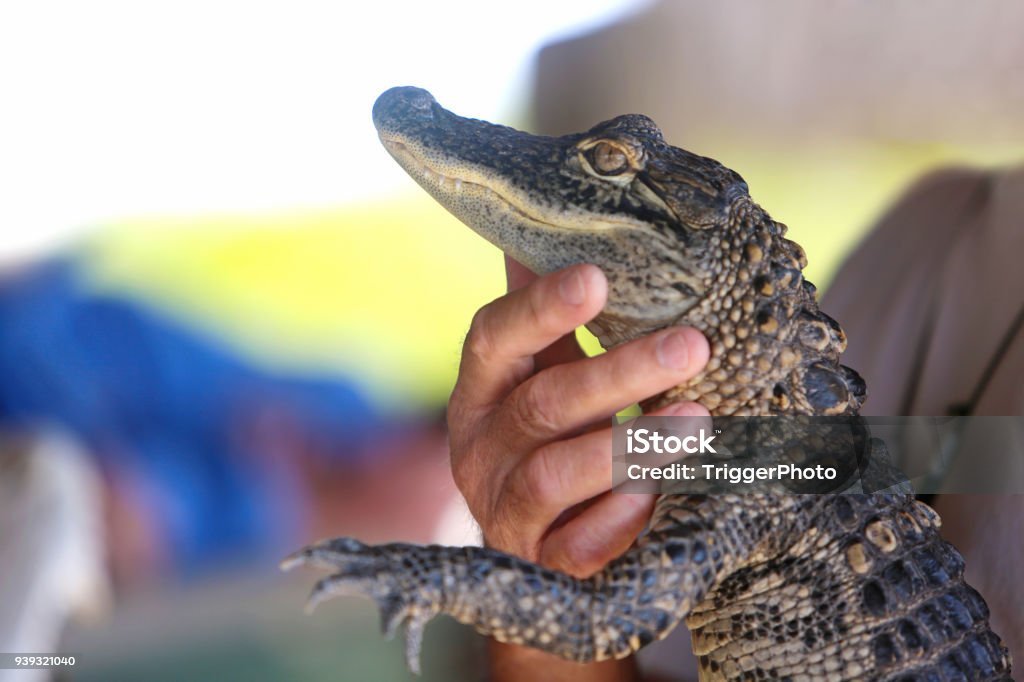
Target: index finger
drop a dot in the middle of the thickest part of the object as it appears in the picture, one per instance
(517, 275)
(508, 332)
(566, 348)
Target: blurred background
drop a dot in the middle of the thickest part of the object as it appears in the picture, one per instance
(229, 322)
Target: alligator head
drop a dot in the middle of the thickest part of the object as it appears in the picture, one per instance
(677, 235)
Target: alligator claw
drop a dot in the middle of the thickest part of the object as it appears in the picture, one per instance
(324, 554)
(370, 572)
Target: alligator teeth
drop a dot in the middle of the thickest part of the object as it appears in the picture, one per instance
(458, 184)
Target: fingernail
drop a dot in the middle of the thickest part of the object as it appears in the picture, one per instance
(672, 351)
(572, 288)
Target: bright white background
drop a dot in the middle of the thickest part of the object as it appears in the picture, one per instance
(114, 109)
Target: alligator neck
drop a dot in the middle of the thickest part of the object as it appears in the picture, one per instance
(772, 350)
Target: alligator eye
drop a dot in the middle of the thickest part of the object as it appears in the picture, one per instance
(608, 159)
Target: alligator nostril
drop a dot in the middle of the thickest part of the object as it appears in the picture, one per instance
(420, 99)
(402, 102)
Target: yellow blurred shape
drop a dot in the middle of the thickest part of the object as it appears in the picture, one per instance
(382, 292)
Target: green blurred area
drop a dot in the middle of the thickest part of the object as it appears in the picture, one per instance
(252, 628)
(384, 291)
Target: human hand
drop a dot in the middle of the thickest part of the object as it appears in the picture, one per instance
(530, 416)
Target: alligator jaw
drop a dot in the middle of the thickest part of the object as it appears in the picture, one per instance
(532, 197)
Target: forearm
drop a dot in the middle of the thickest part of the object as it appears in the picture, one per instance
(512, 663)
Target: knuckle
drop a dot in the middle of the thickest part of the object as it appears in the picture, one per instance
(480, 339)
(533, 409)
(540, 483)
(577, 554)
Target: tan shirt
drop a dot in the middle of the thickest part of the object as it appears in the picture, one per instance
(933, 303)
(932, 299)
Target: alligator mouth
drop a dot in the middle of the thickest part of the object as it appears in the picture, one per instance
(418, 168)
(411, 162)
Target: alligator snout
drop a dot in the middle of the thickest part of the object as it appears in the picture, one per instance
(403, 103)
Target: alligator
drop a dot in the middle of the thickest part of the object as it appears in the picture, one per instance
(772, 586)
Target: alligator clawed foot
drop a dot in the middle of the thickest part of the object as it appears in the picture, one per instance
(372, 572)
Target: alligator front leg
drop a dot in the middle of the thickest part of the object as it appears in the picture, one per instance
(635, 600)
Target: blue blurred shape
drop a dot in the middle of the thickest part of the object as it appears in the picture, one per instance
(213, 439)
